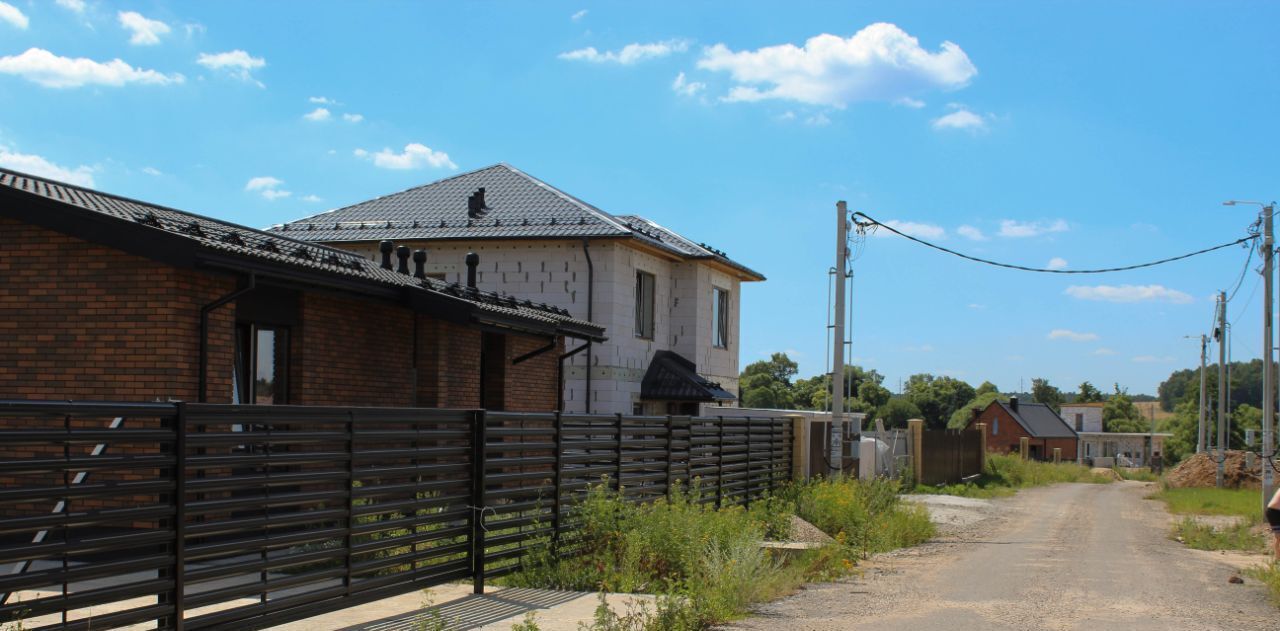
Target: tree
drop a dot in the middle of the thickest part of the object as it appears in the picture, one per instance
(874, 394)
(937, 398)
(985, 388)
(1089, 394)
(897, 411)
(961, 417)
(779, 368)
(1042, 392)
(815, 393)
(767, 384)
(1119, 414)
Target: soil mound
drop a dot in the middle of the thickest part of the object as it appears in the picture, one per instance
(1201, 470)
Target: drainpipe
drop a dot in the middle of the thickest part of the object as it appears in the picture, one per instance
(591, 285)
(204, 332)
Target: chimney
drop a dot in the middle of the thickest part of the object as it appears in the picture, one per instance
(1013, 403)
(402, 253)
(419, 262)
(475, 204)
(473, 261)
(386, 247)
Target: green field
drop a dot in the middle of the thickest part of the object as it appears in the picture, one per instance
(1242, 502)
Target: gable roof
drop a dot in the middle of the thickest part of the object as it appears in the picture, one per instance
(518, 206)
(1039, 420)
(189, 240)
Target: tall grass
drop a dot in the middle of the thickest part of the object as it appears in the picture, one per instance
(1212, 501)
(1268, 575)
(1201, 536)
(1006, 473)
(865, 515)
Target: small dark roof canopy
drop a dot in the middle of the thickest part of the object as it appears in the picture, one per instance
(188, 240)
(1038, 419)
(496, 202)
(673, 378)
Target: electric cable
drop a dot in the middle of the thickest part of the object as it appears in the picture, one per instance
(1024, 268)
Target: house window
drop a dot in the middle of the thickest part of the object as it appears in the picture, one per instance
(995, 426)
(720, 317)
(644, 305)
(1079, 422)
(262, 364)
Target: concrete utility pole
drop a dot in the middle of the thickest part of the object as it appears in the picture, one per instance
(1221, 456)
(1204, 392)
(837, 353)
(1268, 370)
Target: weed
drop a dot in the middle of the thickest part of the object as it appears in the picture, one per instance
(1006, 473)
(1201, 536)
(530, 623)
(867, 516)
(1197, 501)
(1268, 575)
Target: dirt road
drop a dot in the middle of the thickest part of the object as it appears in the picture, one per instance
(1075, 556)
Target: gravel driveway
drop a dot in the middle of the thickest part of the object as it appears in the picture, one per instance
(1071, 556)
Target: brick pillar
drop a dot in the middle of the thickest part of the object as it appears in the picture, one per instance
(915, 429)
(1057, 454)
(982, 433)
(1024, 447)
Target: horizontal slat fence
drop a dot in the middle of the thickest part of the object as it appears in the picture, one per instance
(950, 455)
(196, 516)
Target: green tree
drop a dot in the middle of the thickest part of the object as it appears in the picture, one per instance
(1119, 414)
(1089, 394)
(874, 394)
(985, 388)
(779, 368)
(937, 398)
(1042, 392)
(961, 417)
(897, 411)
(767, 384)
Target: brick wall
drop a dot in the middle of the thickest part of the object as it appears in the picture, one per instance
(1004, 435)
(448, 364)
(532, 384)
(349, 351)
(88, 322)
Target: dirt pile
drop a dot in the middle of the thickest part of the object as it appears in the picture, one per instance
(1201, 470)
(805, 532)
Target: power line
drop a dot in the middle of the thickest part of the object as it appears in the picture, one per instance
(1244, 270)
(1042, 270)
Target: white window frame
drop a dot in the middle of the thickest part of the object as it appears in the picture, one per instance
(720, 307)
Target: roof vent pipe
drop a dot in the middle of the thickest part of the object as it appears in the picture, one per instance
(419, 263)
(473, 261)
(476, 207)
(1013, 403)
(386, 247)
(402, 253)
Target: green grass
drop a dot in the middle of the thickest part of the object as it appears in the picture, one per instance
(707, 566)
(1240, 536)
(1212, 501)
(1268, 575)
(1005, 474)
(1139, 475)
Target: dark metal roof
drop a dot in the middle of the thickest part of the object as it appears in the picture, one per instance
(518, 206)
(151, 224)
(671, 377)
(1039, 420)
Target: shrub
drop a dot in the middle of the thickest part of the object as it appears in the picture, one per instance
(867, 516)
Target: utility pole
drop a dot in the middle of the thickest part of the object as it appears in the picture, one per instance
(1221, 456)
(1268, 370)
(1204, 392)
(837, 353)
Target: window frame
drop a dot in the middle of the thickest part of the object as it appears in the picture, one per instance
(645, 311)
(246, 363)
(720, 317)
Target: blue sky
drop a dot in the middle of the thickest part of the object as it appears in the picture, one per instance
(1096, 133)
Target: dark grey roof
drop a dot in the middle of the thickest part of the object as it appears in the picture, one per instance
(1039, 420)
(271, 248)
(519, 206)
(671, 377)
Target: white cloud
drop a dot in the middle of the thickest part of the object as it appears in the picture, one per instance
(1057, 262)
(145, 31)
(1019, 229)
(414, 156)
(878, 63)
(915, 229)
(52, 71)
(960, 119)
(971, 233)
(907, 101)
(74, 5)
(818, 120)
(38, 165)
(268, 187)
(630, 54)
(317, 115)
(1074, 336)
(312, 199)
(1104, 352)
(353, 118)
(11, 14)
(577, 17)
(686, 87)
(787, 116)
(1152, 359)
(152, 171)
(237, 63)
(322, 100)
(1129, 293)
(192, 28)
(974, 305)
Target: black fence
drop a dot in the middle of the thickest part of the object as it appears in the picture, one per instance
(218, 517)
(949, 455)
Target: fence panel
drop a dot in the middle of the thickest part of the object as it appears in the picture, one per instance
(950, 455)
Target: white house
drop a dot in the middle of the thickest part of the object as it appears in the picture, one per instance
(670, 306)
(1083, 417)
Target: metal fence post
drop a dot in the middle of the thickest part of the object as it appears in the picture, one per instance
(719, 462)
(555, 483)
(671, 455)
(750, 473)
(180, 518)
(478, 438)
(618, 423)
(351, 509)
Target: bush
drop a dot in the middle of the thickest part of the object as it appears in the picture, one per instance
(867, 516)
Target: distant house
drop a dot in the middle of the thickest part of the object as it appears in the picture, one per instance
(1125, 449)
(669, 305)
(108, 298)
(1083, 417)
(1008, 423)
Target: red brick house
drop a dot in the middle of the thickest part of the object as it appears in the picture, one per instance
(1008, 423)
(108, 298)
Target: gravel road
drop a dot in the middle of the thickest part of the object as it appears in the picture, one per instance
(1071, 556)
